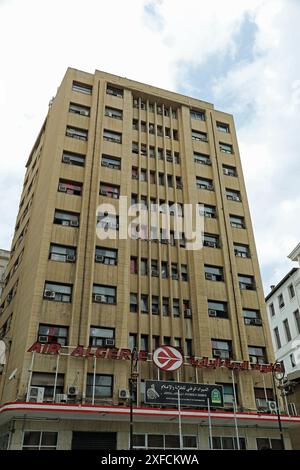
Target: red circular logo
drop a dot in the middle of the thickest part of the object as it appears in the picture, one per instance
(167, 358)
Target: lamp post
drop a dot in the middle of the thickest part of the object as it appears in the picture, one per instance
(132, 386)
(279, 376)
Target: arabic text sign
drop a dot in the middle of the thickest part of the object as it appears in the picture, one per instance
(191, 394)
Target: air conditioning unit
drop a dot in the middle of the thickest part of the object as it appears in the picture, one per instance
(49, 294)
(209, 276)
(61, 398)
(99, 258)
(36, 394)
(71, 258)
(212, 244)
(99, 298)
(226, 172)
(188, 313)
(84, 112)
(261, 404)
(66, 159)
(272, 406)
(154, 273)
(109, 342)
(212, 313)
(62, 188)
(65, 222)
(292, 409)
(217, 352)
(73, 390)
(43, 339)
(74, 223)
(124, 393)
(248, 321)
(258, 321)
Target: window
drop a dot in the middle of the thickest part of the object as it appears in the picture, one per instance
(237, 221)
(160, 153)
(144, 303)
(155, 342)
(76, 133)
(257, 354)
(103, 385)
(161, 179)
(227, 443)
(200, 136)
(79, 109)
(39, 440)
(287, 330)
(291, 291)
(277, 338)
(176, 157)
(47, 381)
(207, 211)
(144, 346)
(272, 310)
(217, 309)
(160, 131)
(281, 301)
(221, 348)
(226, 148)
(265, 443)
(133, 265)
(297, 320)
(104, 294)
(252, 317)
(62, 253)
(155, 305)
(100, 336)
(229, 170)
(292, 360)
(176, 308)
(111, 162)
(174, 270)
(228, 393)
(189, 347)
(108, 221)
(135, 147)
(144, 150)
(199, 115)
(133, 302)
(178, 182)
(73, 158)
(113, 113)
(70, 187)
(204, 183)
(166, 306)
(164, 270)
(167, 132)
(82, 88)
(111, 136)
(184, 272)
(213, 273)
(53, 334)
(211, 241)
(246, 282)
(167, 340)
(106, 255)
(114, 91)
(233, 195)
(132, 341)
(58, 292)
(109, 190)
(223, 127)
(262, 397)
(161, 441)
(241, 250)
(144, 267)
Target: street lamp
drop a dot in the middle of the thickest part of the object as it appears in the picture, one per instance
(278, 374)
(132, 386)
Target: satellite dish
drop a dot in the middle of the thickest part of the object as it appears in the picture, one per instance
(2, 352)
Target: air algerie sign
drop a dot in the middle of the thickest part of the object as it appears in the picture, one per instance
(115, 353)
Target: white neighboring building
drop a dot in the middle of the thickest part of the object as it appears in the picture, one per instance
(283, 305)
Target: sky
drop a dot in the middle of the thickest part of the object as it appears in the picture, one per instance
(241, 55)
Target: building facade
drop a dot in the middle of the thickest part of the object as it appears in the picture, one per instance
(283, 306)
(107, 138)
(4, 258)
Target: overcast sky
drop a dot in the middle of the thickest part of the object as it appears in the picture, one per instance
(241, 55)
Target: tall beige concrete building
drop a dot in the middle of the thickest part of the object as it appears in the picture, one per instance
(104, 138)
